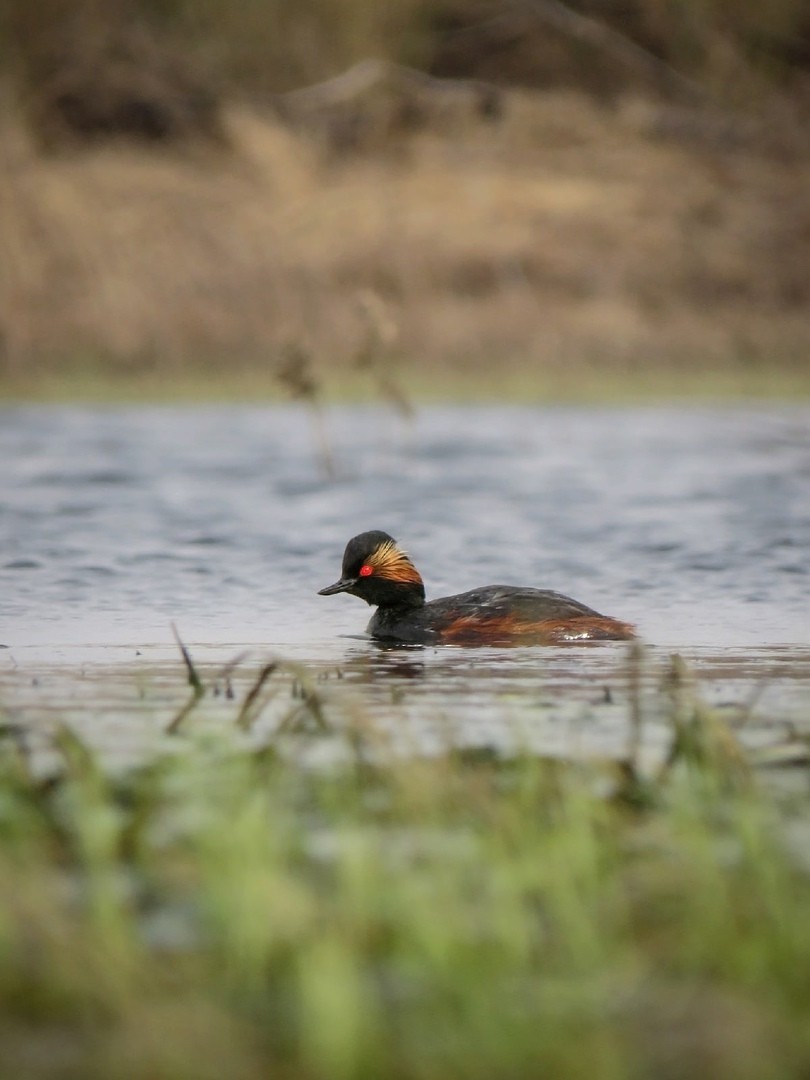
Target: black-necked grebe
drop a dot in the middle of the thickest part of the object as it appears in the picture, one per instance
(380, 572)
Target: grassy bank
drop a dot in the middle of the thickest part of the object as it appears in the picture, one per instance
(563, 245)
(571, 201)
(408, 389)
(229, 910)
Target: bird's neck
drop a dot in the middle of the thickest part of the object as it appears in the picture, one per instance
(402, 595)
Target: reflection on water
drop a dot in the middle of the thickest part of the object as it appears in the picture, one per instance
(565, 702)
(692, 523)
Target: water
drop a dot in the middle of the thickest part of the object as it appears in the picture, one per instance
(695, 524)
(692, 523)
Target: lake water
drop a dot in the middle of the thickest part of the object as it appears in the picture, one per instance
(693, 523)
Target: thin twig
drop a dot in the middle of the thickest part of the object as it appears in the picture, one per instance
(376, 353)
(193, 678)
(369, 74)
(682, 713)
(245, 720)
(635, 658)
(296, 373)
(627, 52)
(195, 683)
(311, 701)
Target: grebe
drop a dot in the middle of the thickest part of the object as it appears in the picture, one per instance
(377, 570)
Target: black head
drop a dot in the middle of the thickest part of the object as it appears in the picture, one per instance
(379, 572)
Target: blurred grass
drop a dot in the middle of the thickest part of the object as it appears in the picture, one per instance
(586, 381)
(229, 910)
(268, 46)
(592, 235)
(561, 244)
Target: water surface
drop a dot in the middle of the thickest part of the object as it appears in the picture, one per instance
(692, 523)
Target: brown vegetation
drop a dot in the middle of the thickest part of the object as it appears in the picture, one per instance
(487, 227)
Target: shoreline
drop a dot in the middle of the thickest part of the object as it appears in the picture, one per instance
(405, 390)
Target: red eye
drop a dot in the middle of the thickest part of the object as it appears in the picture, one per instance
(365, 570)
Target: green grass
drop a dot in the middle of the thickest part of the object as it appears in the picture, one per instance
(227, 910)
(581, 383)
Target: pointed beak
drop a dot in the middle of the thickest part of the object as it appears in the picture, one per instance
(339, 586)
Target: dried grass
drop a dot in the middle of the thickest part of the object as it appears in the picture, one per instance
(560, 234)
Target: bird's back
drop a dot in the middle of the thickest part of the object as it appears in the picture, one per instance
(499, 614)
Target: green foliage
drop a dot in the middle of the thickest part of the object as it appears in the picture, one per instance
(228, 910)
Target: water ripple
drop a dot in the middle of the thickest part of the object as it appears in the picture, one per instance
(692, 523)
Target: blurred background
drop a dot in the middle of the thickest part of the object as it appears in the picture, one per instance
(459, 197)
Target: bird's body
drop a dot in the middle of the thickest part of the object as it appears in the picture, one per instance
(380, 572)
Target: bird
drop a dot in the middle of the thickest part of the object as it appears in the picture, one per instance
(379, 571)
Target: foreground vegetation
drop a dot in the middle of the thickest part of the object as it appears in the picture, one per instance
(229, 910)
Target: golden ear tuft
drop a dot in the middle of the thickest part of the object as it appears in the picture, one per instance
(392, 563)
